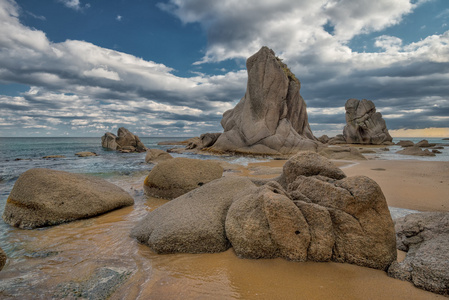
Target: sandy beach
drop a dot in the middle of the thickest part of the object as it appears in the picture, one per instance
(409, 184)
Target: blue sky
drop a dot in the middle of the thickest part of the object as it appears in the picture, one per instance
(172, 67)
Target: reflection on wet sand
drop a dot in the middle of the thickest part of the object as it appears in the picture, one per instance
(64, 261)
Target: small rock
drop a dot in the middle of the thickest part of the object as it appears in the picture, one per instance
(85, 154)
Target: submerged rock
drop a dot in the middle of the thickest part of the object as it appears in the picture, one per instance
(271, 118)
(194, 222)
(425, 238)
(415, 151)
(44, 197)
(364, 125)
(174, 177)
(86, 154)
(124, 141)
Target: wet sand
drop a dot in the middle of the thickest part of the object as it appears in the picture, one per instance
(73, 252)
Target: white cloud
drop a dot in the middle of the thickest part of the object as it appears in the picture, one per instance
(119, 18)
(74, 4)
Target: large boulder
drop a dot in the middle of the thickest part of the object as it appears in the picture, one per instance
(362, 227)
(271, 118)
(264, 223)
(425, 238)
(172, 178)
(2, 258)
(123, 141)
(194, 222)
(364, 125)
(44, 197)
(155, 156)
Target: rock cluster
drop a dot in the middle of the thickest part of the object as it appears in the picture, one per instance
(425, 237)
(311, 212)
(364, 125)
(271, 118)
(44, 197)
(124, 141)
(174, 177)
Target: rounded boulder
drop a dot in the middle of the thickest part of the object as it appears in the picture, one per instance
(43, 197)
(175, 177)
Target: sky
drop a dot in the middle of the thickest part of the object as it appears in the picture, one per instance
(172, 67)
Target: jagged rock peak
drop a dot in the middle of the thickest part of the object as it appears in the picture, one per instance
(271, 118)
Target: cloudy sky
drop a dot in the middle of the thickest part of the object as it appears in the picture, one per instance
(172, 67)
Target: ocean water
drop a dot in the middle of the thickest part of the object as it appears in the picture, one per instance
(392, 155)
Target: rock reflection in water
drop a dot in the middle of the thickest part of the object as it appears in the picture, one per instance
(96, 259)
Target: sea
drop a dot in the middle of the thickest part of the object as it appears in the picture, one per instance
(63, 261)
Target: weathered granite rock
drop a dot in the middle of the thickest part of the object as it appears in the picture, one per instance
(321, 231)
(205, 140)
(156, 155)
(364, 125)
(324, 139)
(266, 224)
(362, 226)
(415, 151)
(348, 153)
(44, 197)
(405, 144)
(425, 237)
(124, 141)
(309, 164)
(337, 140)
(424, 144)
(271, 118)
(194, 222)
(172, 178)
(2, 258)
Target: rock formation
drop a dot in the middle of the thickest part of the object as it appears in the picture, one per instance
(124, 141)
(310, 212)
(155, 156)
(271, 118)
(425, 238)
(2, 258)
(175, 177)
(194, 222)
(44, 197)
(364, 125)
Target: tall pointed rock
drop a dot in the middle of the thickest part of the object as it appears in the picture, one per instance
(271, 118)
